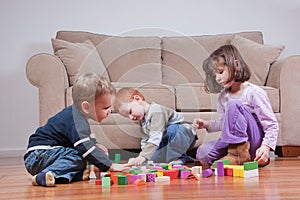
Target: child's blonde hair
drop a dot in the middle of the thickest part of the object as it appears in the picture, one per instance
(89, 86)
(126, 95)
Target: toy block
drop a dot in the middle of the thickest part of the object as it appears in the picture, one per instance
(114, 178)
(250, 165)
(98, 182)
(134, 177)
(228, 171)
(162, 179)
(197, 169)
(184, 173)
(117, 158)
(192, 175)
(150, 177)
(220, 168)
(106, 181)
(226, 162)
(139, 182)
(170, 166)
(251, 173)
(207, 173)
(164, 166)
(159, 173)
(144, 177)
(173, 173)
(122, 180)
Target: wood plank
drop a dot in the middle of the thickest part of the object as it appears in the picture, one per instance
(279, 180)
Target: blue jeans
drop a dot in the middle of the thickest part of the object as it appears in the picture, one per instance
(65, 163)
(176, 141)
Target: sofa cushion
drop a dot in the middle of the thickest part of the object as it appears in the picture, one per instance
(183, 56)
(127, 59)
(79, 58)
(258, 57)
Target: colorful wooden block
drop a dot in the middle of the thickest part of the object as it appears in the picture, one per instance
(139, 182)
(122, 180)
(117, 158)
(197, 169)
(106, 181)
(220, 168)
(184, 173)
(134, 177)
(250, 165)
(173, 173)
(162, 179)
(207, 173)
(150, 177)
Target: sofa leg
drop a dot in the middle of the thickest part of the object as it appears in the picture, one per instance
(287, 151)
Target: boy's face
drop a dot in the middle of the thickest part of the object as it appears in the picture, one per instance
(134, 110)
(102, 107)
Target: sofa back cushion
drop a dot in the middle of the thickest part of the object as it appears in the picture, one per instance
(183, 56)
(127, 59)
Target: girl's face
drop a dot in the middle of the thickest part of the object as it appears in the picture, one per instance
(222, 73)
(134, 110)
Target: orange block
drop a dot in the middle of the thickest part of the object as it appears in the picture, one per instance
(139, 182)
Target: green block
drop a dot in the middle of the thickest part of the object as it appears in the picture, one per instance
(164, 166)
(122, 180)
(106, 181)
(226, 162)
(152, 170)
(250, 165)
(117, 158)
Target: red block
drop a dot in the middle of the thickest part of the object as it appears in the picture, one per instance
(172, 173)
(228, 171)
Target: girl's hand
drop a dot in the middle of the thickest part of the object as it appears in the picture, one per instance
(198, 123)
(262, 155)
(137, 161)
(102, 148)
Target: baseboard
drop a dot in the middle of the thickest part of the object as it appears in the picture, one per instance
(288, 151)
(6, 153)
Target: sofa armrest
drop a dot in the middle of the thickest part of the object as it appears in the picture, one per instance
(48, 74)
(285, 75)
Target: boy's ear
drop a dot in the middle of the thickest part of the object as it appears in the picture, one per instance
(85, 106)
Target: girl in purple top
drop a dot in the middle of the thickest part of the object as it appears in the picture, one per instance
(248, 124)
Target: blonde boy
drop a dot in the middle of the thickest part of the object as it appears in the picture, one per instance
(57, 152)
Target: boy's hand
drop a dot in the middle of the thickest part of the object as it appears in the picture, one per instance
(137, 161)
(102, 148)
(119, 167)
(262, 155)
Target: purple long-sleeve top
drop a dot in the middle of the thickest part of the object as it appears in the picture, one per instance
(255, 99)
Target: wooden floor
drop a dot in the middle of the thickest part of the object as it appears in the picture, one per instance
(279, 180)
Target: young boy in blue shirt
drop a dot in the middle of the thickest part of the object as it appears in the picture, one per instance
(58, 151)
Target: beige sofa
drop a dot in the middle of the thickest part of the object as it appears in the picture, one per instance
(168, 70)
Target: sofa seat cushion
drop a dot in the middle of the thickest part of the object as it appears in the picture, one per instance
(193, 98)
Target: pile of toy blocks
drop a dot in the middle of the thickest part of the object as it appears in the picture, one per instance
(151, 172)
(247, 170)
